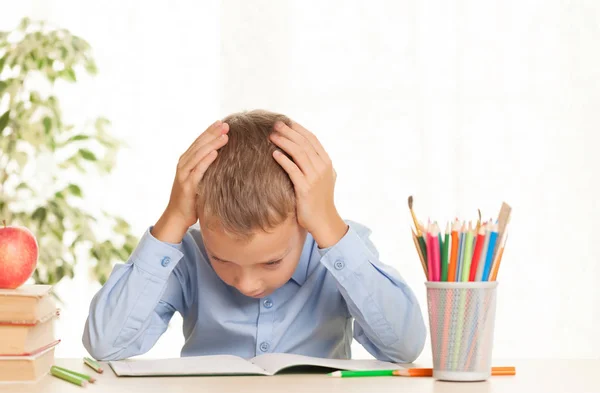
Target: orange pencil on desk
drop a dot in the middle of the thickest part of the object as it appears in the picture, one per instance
(428, 372)
(454, 252)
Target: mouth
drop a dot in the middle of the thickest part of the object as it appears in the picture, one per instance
(257, 295)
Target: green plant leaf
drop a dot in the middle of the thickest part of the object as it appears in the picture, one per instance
(69, 75)
(90, 67)
(76, 138)
(4, 121)
(39, 215)
(37, 126)
(75, 190)
(87, 155)
(47, 124)
(24, 24)
(34, 97)
(21, 158)
(23, 186)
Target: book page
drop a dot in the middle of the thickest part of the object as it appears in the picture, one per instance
(193, 365)
(27, 291)
(275, 362)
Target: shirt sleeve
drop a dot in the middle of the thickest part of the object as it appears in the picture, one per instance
(387, 317)
(133, 308)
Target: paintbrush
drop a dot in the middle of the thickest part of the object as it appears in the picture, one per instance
(418, 231)
(423, 261)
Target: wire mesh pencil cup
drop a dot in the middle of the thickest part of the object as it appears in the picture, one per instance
(461, 320)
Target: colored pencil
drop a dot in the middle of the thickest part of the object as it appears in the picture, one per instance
(445, 251)
(490, 253)
(83, 376)
(482, 258)
(466, 268)
(362, 373)
(428, 372)
(67, 376)
(430, 270)
(479, 242)
(461, 252)
(94, 365)
(496, 265)
(436, 253)
(440, 250)
(453, 253)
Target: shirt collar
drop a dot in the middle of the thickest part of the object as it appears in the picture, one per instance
(301, 272)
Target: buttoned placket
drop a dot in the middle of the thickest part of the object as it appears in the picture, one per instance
(264, 328)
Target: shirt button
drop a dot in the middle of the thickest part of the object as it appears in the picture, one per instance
(268, 303)
(165, 261)
(264, 346)
(339, 265)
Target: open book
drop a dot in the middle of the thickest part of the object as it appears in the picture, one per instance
(269, 364)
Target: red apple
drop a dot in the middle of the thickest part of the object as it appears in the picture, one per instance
(18, 255)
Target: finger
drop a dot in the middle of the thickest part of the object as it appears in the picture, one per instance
(213, 126)
(291, 169)
(297, 152)
(300, 140)
(194, 159)
(312, 139)
(212, 132)
(200, 169)
(208, 137)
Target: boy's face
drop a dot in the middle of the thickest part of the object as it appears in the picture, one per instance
(256, 267)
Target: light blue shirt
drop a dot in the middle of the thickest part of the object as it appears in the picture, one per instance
(311, 314)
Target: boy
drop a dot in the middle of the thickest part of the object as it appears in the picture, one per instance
(271, 268)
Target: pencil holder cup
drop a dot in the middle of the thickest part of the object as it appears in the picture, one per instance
(461, 320)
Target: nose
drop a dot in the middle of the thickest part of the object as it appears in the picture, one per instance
(248, 285)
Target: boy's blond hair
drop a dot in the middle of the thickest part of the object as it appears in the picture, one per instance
(245, 189)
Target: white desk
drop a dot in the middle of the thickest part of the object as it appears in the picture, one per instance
(565, 376)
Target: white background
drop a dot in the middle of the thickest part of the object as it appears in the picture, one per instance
(461, 103)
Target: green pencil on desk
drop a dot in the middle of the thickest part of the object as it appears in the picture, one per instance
(365, 373)
(94, 365)
(80, 375)
(67, 376)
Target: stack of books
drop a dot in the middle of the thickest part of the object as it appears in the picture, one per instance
(27, 339)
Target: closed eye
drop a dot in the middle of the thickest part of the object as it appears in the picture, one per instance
(272, 263)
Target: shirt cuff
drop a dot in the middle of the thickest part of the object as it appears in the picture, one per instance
(156, 257)
(346, 256)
